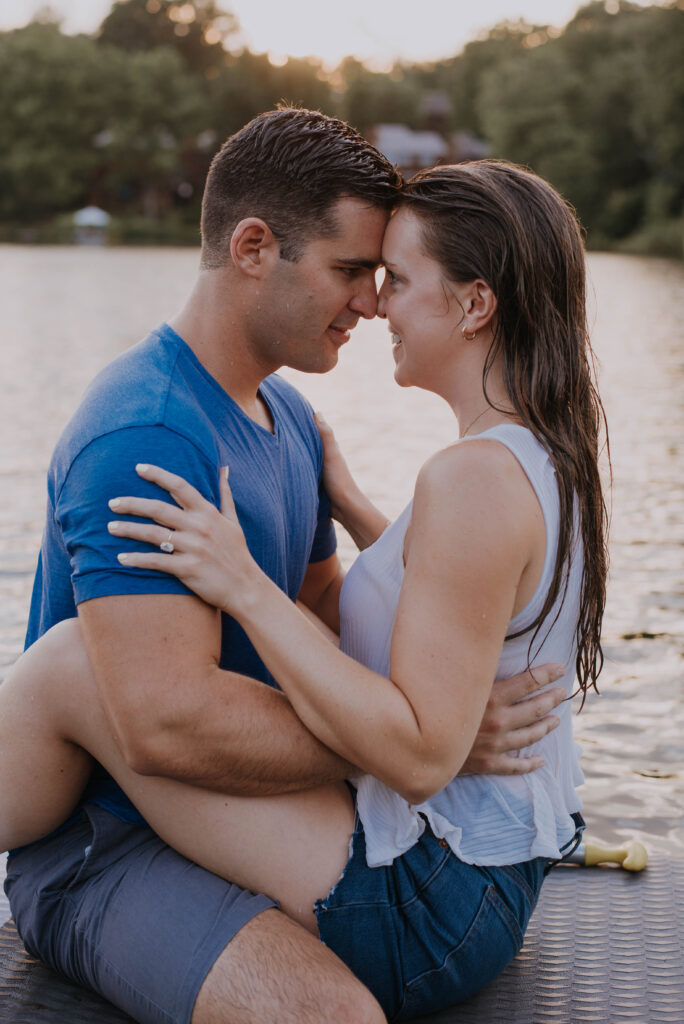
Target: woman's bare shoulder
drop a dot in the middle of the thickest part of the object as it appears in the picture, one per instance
(480, 462)
(478, 482)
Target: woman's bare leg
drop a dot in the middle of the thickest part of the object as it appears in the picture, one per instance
(42, 774)
(292, 847)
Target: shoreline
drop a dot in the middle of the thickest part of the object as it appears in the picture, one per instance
(649, 242)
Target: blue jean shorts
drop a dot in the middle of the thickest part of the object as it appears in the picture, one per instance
(427, 931)
(116, 910)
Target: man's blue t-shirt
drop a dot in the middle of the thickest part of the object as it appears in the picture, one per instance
(157, 404)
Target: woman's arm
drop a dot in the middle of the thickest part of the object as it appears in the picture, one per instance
(471, 539)
(348, 504)
(474, 525)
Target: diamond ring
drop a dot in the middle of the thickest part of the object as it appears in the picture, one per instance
(166, 545)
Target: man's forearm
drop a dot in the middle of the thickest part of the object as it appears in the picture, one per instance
(174, 713)
(240, 737)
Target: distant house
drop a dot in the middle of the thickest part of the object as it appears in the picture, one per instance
(91, 226)
(435, 111)
(411, 151)
(465, 146)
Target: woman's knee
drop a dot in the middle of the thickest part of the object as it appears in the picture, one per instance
(41, 774)
(55, 672)
(63, 651)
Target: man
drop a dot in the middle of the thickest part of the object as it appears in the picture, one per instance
(293, 216)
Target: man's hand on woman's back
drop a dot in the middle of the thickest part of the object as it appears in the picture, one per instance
(512, 723)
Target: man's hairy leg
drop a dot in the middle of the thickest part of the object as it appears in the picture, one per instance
(273, 972)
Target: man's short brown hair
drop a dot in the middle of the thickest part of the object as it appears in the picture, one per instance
(288, 167)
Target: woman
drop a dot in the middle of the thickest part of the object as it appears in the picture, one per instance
(499, 561)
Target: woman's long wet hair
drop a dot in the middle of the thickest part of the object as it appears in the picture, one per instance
(501, 223)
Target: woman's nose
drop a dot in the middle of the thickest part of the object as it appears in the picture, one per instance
(382, 302)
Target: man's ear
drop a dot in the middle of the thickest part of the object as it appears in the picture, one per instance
(253, 246)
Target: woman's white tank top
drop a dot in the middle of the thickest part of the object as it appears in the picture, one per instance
(485, 819)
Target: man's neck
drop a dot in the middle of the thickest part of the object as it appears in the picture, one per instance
(215, 333)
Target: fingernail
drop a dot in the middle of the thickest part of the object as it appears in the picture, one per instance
(122, 557)
(113, 527)
(557, 672)
(114, 503)
(142, 467)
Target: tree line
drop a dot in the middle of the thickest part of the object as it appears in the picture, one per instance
(129, 118)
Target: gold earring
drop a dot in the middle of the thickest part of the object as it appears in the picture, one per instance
(468, 337)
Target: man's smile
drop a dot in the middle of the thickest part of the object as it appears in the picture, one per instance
(340, 334)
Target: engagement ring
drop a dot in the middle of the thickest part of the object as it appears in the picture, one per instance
(166, 545)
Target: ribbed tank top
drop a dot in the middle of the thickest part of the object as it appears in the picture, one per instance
(485, 819)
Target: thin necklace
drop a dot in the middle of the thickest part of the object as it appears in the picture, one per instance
(475, 421)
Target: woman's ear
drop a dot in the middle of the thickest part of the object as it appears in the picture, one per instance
(253, 246)
(479, 306)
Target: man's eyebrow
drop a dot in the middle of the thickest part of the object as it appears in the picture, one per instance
(358, 262)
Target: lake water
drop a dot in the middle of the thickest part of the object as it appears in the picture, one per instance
(66, 312)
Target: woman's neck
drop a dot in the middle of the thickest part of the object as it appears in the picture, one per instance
(475, 411)
(489, 416)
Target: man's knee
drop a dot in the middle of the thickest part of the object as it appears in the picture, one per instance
(274, 972)
(314, 1000)
(354, 1006)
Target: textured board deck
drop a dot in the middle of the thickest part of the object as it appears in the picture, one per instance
(603, 947)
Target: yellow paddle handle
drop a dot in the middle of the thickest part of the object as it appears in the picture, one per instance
(632, 856)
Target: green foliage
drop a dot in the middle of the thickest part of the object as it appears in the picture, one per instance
(249, 84)
(656, 238)
(196, 29)
(599, 112)
(369, 97)
(52, 93)
(462, 78)
(129, 119)
(156, 109)
(85, 123)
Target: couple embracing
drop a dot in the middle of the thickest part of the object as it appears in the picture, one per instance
(364, 837)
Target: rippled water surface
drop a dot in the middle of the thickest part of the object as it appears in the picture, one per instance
(67, 312)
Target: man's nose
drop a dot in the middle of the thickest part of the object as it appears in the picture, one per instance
(365, 299)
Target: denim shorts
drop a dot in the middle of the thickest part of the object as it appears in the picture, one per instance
(427, 931)
(116, 910)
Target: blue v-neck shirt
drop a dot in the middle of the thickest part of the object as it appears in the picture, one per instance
(157, 404)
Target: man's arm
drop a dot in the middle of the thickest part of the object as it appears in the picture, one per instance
(320, 591)
(155, 648)
(176, 714)
(512, 723)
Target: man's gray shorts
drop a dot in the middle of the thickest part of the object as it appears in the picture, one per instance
(115, 909)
